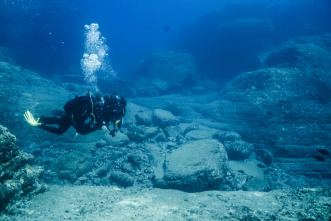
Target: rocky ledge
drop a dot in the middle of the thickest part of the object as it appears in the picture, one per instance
(19, 175)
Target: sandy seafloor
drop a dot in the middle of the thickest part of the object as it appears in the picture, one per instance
(113, 203)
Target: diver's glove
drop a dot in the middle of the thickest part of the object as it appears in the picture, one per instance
(117, 126)
(30, 119)
(112, 133)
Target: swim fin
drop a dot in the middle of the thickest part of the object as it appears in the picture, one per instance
(30, 119)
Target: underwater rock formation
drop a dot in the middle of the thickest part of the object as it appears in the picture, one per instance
(19, 175)
(277, 112)
(273, 100)
(194, 166)
(302, 52)
(144, 118)
(163, 118)
(166, 72)
(22, 90)
(284, 109)
(238, 150)
(282, 112)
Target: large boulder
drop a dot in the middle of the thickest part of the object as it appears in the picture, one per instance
(122, 179)
(119, 140)
(163, 118)
(303, 52)
(194, 166)
(200, 134)
(19, 175)
(238, 150)
(270, 100)
(144, 118)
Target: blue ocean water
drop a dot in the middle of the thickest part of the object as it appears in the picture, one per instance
(48, 36)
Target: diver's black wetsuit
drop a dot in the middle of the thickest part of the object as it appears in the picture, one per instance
(87, 114)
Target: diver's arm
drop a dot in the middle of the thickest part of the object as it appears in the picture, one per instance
(116, 121)
(112, 131)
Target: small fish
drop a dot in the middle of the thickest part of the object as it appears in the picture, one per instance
(323, 151)
(318, 158)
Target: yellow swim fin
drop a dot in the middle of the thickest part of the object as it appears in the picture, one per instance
(30, 119)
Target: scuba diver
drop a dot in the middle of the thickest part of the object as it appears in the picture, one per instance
(86, 114)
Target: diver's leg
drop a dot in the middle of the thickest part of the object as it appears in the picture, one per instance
(63, 122)
(64, 125)
(50, 120)
(51, 129)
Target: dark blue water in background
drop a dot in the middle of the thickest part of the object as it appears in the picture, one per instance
(48, 36)
(138, 27)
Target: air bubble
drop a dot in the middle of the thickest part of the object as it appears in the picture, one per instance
(93, 60)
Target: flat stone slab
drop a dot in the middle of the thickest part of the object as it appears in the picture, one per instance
(163, 118)
(200, 134)
(194, 166)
